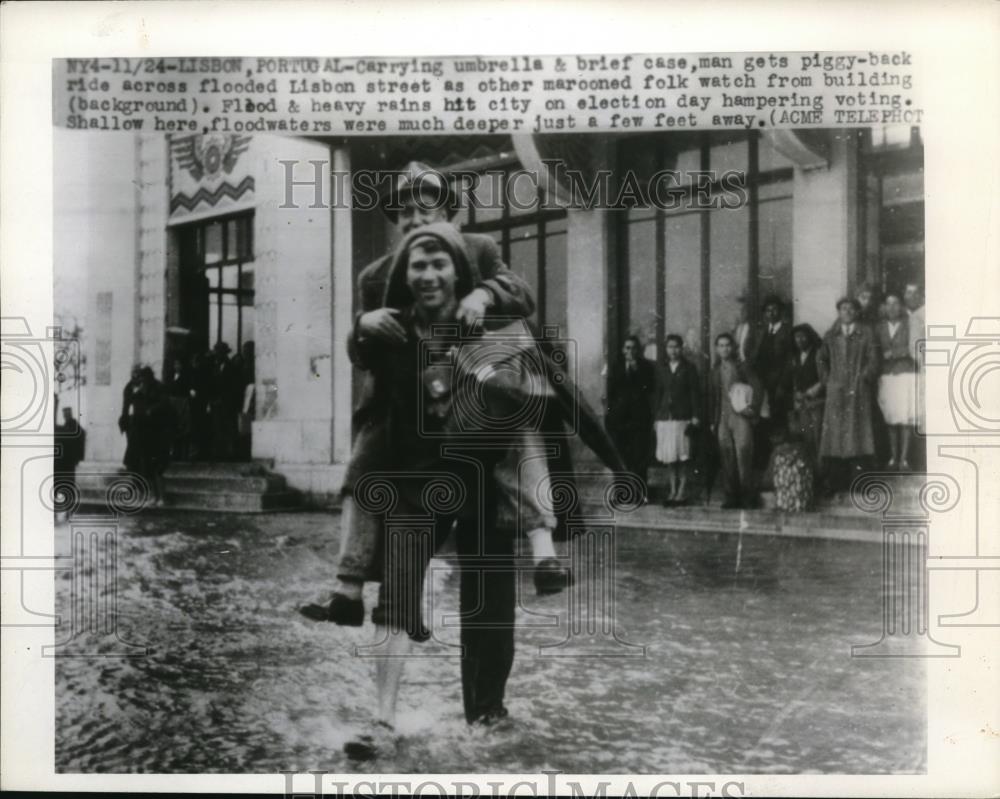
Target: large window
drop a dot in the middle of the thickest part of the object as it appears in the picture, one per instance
(892, 191)
(220, 253)
(532, 239)
(690, 271)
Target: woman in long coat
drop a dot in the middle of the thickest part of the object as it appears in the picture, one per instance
(849, 365)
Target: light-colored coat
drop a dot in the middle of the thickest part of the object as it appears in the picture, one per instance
(848, 366)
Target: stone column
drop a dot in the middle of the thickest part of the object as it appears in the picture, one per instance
(153, 168)
(342, 301)
(294, 262)
(96, 244)
(589, 259)
(824, 232)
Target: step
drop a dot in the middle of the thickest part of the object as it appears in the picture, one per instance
(212, 470)
(267, 484)
(235, 502)
(242, 501)
(183, 480)
(816, 524)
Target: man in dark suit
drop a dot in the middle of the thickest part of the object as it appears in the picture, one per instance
(771, 358)
(629, 417)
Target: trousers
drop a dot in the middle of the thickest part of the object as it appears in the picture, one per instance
(487, 599)
(736, 456)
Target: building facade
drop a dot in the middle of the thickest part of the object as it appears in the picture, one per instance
(172, 245)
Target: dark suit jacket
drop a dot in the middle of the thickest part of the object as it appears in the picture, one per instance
(630, 397)
(770, 360)
(677, 392)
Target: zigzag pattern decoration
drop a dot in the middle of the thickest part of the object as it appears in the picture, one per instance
(211, 197)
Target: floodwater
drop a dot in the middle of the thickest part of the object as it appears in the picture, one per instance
(746, 668)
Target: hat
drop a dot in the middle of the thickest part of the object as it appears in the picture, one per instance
(851, 301)
(809, 332)
(773, 299)
(221, 346)
(397, 292)
(418, 178)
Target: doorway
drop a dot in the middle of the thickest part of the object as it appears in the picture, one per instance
(210, 364)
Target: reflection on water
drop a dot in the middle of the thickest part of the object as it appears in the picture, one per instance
(746, 670)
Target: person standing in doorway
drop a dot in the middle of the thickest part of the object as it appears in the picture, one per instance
(153, 432)
(897, 383)
(677, 403)
(70, 447)
(126, 421)
(735, 396)
(770, 363)
(869, 303)
(913, 298)
(629, 419)
(743, 333)
(848, 363)
(807, 390)
(226, 398)
(179, 388)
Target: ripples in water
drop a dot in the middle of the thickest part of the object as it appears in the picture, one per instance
(746, 670)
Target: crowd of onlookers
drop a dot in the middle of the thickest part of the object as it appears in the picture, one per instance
(780, 404)
(199, 412)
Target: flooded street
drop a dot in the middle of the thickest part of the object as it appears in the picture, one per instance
(746, 670)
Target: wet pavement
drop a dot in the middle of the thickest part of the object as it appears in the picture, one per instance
(747, 666)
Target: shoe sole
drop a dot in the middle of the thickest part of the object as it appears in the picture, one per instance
(360, 750)
(319, 613)
(548, 590)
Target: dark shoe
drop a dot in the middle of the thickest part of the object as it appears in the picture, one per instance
(492, 717)
(551, 578)
(378, 740)
(341, 610)
(379, 620)
(730, 504)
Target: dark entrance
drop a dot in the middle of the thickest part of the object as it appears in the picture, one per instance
(210, 349)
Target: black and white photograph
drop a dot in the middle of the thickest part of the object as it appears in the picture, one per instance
(581, 422)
